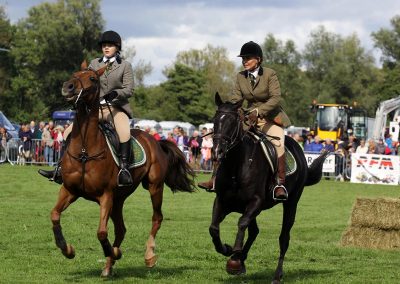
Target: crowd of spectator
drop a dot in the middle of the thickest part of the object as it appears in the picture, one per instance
(343, 149)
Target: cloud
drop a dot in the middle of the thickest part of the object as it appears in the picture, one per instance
(159, 29)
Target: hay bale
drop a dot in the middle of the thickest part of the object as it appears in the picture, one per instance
(374, 223)
(371, 238)
(380, 213)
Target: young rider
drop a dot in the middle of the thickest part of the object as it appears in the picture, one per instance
(116, 86)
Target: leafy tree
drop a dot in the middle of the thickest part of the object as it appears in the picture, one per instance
(286, 61)
(340, 70)
(185, 98)
(48, 46)
(140, 68)
(6, 68)
(388, 41)
(219, 71)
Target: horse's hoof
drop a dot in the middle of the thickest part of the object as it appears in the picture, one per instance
(69, 252)
(235, 267)
(117, 253)
(106, 273)
(151, 262)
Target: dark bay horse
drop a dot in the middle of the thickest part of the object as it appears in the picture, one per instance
(244, 182)
(89, 171)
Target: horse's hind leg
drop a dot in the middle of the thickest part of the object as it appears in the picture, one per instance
(65, 198)
(289, 215)
(218, 216)
(156, 193)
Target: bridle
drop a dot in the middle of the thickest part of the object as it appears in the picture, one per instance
(85, 90)
(84, 156)
(232, 140)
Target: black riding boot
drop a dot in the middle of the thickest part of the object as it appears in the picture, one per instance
(280, 193)
(55, 175)
(124, 176)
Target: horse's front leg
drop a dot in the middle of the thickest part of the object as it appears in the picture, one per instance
(235, 264)
(119, 232)
(65, 198)
(106, 203)
(156, 193)
(218, 215)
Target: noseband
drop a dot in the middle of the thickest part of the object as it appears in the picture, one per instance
(233, 139)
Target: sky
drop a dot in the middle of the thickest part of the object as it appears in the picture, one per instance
(159, 29)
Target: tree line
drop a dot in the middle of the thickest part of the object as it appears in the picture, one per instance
(47, 46)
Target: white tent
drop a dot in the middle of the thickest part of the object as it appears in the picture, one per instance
(142, 124)
(168, 126)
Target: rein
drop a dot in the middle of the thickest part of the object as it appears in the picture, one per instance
(232, 140)
(83, 156)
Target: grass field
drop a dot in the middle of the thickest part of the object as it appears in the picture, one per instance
(186, 253)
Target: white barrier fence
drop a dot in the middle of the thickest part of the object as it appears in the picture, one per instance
(358, 168)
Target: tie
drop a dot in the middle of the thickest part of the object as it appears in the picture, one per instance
(252, 80)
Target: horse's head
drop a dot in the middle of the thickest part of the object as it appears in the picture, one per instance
(227, 127)
(83, 85)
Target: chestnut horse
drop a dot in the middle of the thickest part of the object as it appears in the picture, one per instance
(89, 171)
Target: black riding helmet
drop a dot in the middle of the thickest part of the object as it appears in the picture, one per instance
(111, 37)
(251, 49)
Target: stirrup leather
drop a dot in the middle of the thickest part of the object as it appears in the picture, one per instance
(273, 192)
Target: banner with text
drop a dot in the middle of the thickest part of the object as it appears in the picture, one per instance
(375, 169)
(329, 164)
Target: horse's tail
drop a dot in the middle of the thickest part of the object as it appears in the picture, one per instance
(315, 169)
(180, 176)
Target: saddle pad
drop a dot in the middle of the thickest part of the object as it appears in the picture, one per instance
(137, 148)
(291, 164)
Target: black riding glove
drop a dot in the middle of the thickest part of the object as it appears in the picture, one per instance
(110, 96)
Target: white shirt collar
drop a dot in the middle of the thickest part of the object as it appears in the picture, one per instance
(109, 59)
(255, 72)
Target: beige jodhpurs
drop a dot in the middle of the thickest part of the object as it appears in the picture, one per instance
(121, 122)
(272, 129)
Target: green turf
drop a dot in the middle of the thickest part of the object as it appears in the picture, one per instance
(186, 253)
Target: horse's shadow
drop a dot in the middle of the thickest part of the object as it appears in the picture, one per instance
(138, 272)
(267, 275)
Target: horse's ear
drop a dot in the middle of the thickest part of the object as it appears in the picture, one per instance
(84, 65)
(218, 100)
(101, 71)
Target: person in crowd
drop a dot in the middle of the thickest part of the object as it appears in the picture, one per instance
(380, 147)
(259, 86)
(362, 148)
(352, 144)
(58, 139)
(116, 87)
(4, 137)
(206, 152)
(195, 147)
(170, 137)
(298, 139)
(155, 134)
(147, 129)
(340, 160)
(316, 146)
(47, 142)
(182, 140)
(371, 146)
(26, 138)
(307, 143)
(390, 149)
(328, 146)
